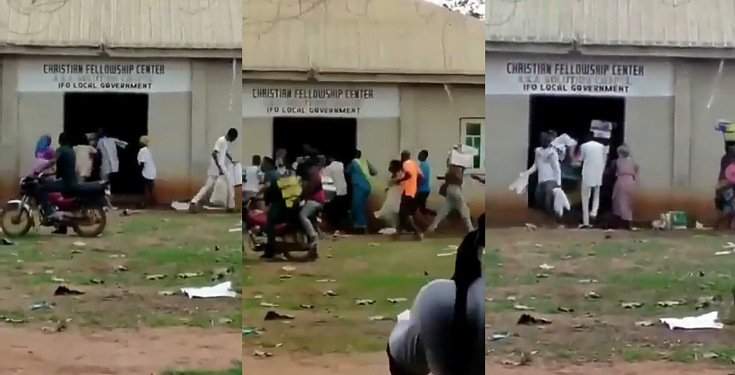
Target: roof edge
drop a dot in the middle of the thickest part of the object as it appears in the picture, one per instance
(300, 76)
(694, 52)
(98, 51)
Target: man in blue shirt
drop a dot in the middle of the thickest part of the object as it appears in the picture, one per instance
(425, 185)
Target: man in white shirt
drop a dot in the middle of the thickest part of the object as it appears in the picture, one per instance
(217, 169)
(336, 209)
(594, 158)
(253, 179)
(546, 163)
(107, 147)
(145, 160)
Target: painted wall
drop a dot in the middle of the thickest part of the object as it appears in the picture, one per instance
(672, 139)
(183, 126)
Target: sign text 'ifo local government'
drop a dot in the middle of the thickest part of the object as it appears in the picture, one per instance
(560, 76)
(327, 100)
(103, 76)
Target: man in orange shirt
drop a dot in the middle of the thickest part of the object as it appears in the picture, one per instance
(410, 184)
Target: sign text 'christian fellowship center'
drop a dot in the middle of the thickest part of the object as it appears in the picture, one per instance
(103, 75)
(588, 77)
(319, 100)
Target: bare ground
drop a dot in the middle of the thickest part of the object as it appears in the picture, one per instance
(118, 352)
(375, 364)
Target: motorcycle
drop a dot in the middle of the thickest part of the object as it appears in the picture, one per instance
(291, 241)
(84, 212)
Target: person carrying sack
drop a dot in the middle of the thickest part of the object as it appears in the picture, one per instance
(217, 170)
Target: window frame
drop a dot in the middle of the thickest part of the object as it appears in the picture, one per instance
(463, 122)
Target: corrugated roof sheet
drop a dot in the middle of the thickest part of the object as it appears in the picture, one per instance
(156, 24)
(360, 36)
(662, 23)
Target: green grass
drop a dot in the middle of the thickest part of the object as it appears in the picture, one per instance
(361, 271)
(148, 243)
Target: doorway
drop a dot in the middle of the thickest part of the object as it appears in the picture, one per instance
(572, 115)
(123, 116)
(330, 136)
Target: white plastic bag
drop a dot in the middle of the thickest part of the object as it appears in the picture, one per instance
(219, 193)
(236, 174)
(561, 202)
(520, 184)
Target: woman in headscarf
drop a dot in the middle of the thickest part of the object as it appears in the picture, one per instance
(626, 173)
(445, 331)
(44, 155)
(360, 172)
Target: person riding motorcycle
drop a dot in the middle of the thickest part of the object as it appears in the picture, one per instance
(66, 179)
(281, 192)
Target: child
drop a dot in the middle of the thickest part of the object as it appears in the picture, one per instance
(148, 170)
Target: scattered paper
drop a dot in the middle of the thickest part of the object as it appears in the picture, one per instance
(527, 319)
(727, 252)
(644, 323)
(631, 305)
(446, 254)
(364, 302)
(234, 230)
(706, 321)
(397, 300)
(180, 206)
(546, 267)
(219, 290)
(79, 244)
(522, 308)
(288, 268)
(670, 303)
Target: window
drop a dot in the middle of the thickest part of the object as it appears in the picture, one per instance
(472, 135)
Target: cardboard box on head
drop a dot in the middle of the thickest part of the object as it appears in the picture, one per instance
(601, 129)
(463, 156)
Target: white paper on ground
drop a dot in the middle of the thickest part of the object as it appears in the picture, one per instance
(180, 206)
(406, 315)
(706, 321)
(219, 290)
(388, 231)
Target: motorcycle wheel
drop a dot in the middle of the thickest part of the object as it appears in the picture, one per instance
(298, 251)
(92, 224)
(16, 220)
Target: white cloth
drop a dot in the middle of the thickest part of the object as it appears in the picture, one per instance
(220, 191)
(145, 157)
(562, 143)
(221, 146)
(561, 202)
(219, 290)
(520, 184)
(336, 171)
(84, 158)
(207, 189)
(547, 165)
(253, 179)
(235, 173)
(108, 148)
(593, 155)
(706, 321)
(391, 206)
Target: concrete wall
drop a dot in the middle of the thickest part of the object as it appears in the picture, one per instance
(429, 119)
(183, 126)
(672, 139)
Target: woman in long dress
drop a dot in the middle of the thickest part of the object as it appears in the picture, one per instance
(626, 171)
(392, 204)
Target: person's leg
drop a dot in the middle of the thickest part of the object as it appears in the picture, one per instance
(549, 198)
(359, 202)
(464, 210)
(274, 213)
(442, 214)
(586, 190)
(595, 202)
(403, 214)
(205, 190)
(306, 214)
(413, 225)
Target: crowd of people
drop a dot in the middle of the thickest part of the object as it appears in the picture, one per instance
(560, 158)
(297, 189)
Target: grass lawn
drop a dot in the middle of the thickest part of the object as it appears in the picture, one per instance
(130, 249)
(645, 267)
(355, 268)
(233, 371)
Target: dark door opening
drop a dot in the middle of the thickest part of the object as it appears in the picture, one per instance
(330, 136)
(123, 116)
(572, 115)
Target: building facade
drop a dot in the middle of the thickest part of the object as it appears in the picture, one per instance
(664, 78)
(156, 67)
(376, 75)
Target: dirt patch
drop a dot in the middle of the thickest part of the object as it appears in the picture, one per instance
(371, 364)
(118, 352)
